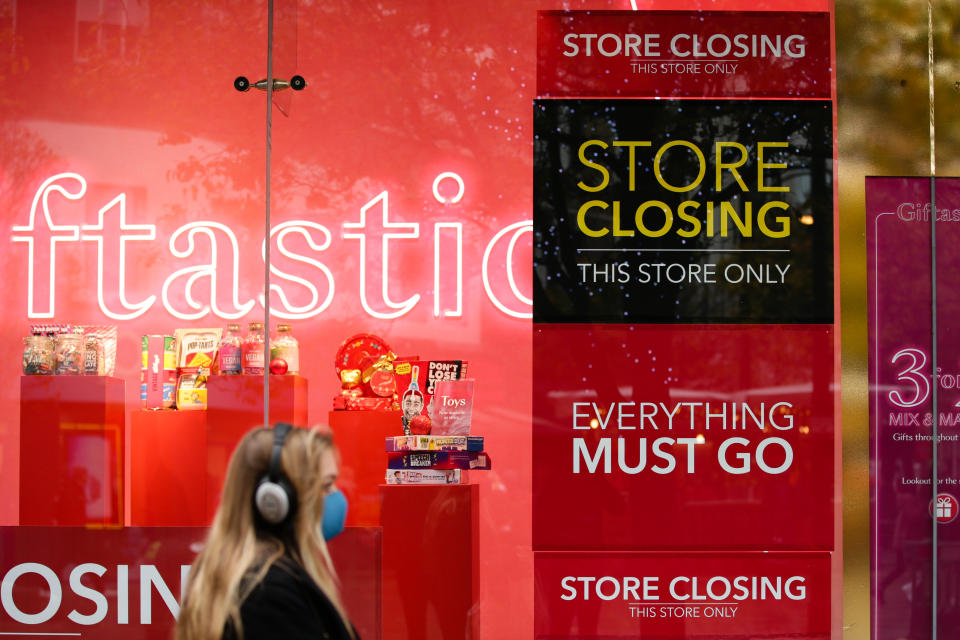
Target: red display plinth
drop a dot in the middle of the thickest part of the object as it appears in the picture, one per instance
(168, 459)
(234, 406)
(356, 557)
(71, 450)
(360, 436)
(430, 561)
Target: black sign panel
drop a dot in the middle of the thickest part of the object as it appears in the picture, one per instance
(692, 211)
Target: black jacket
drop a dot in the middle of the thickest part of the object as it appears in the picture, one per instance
(287, 604)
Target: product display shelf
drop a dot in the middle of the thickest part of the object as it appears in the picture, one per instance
(360, 436)
(71, 451)
(430, 561)
(168, 458)
(356, 555)
(179, 458)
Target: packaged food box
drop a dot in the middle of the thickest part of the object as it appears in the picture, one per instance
(158, 377)
(158, 390)
(438, 460)
(198, 348)
(425, 476)
(192, 391)
(434, 443)
(158, 352)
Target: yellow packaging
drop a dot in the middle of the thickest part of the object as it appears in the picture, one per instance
(191, 392)
(197, 348)
(169, 347)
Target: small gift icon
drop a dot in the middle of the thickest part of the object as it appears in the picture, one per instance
(945, 508)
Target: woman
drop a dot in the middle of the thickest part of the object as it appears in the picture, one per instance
(265, 571)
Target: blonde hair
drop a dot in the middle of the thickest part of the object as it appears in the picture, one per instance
(239, 551)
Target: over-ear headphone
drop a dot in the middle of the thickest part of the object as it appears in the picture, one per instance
(274, 499)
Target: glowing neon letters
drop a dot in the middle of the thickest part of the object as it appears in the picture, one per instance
(213, 286)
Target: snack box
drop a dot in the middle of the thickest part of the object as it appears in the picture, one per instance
(434, 443)
(426, 476)
(158, 374)
(197, 348)
(158, 390)
(158, 352)
(192, 391)
(438, 460)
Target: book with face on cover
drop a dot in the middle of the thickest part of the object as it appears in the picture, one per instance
(423, 376)
(451, 407)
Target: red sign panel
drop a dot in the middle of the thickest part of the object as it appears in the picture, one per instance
(684, 378)
(103, 584)
(686, 437)
(60, 581)
(682, 595)
(684, 54)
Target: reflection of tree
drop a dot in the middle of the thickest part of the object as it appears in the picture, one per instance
(18, 170)
(391, 90)
(883, 118)
(883, 89)
(435, 85)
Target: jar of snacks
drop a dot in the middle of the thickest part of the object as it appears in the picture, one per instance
(284, 352)
(38, 355)
(92, 356)
(252, 350)
(230, 352)
(69, 354)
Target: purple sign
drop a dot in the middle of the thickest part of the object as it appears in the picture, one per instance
(902, 386)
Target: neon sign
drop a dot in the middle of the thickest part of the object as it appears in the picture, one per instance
(375, 232)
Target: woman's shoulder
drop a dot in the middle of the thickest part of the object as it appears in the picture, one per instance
(287, 604)
(284, 587)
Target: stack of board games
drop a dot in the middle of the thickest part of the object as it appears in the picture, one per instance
(434, 459)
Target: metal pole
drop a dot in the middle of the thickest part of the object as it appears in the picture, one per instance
(935, 480)
(266, 254)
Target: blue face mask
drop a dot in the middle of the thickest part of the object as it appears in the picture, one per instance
(334, 514)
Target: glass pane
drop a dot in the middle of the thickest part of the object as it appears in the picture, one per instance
(402, 180)
(132, 190)
(883, 86)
